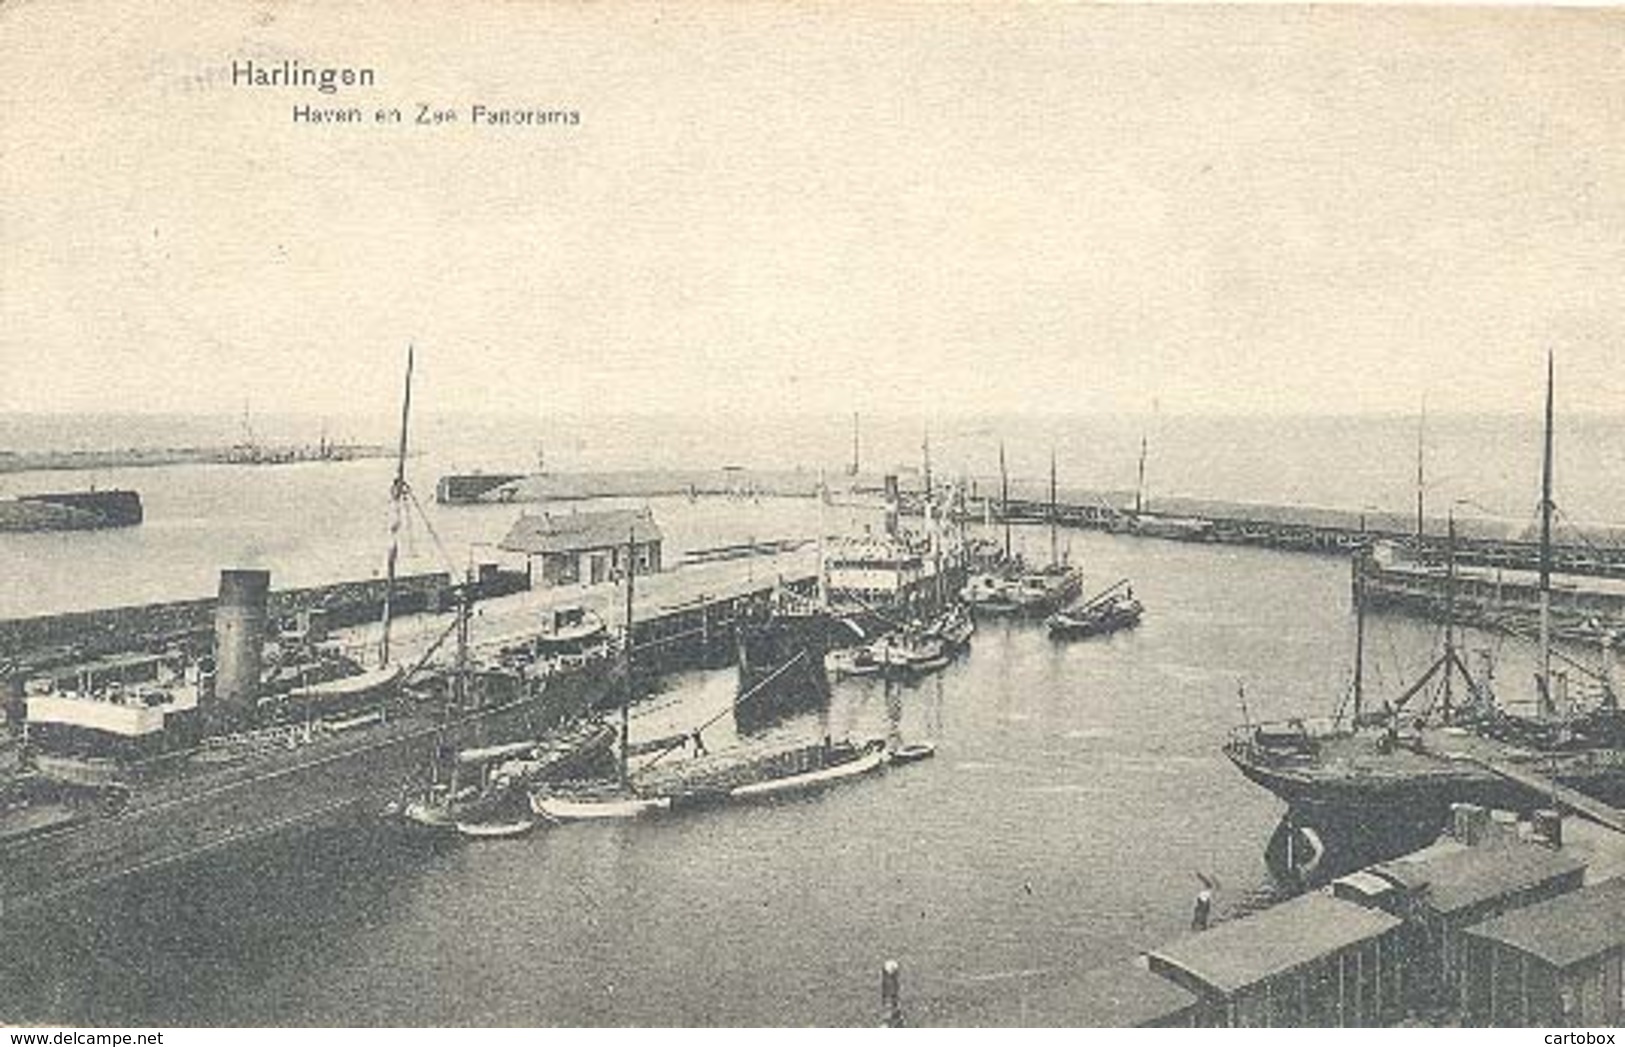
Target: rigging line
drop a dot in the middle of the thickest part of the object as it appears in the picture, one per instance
(430, 653)
(440, 546)
(775, 674)
(1557, 652)
(1574, 528)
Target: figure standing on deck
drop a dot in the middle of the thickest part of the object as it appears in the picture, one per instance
(1204, 903)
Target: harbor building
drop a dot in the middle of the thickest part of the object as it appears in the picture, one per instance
(1315, 960)
(1442, 891)
(570, 548)
(1558, 963)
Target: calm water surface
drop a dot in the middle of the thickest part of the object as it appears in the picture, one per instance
(1076, 792)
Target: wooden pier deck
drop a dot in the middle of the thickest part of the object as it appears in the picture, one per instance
(1585, 806)
(693, 606)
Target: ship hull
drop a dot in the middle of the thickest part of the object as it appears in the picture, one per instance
(781, 669)
(1374, 796)
(210, 809)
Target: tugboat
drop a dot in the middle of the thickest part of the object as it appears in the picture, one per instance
(1107, 612)
(1382, 781)
(911, 652)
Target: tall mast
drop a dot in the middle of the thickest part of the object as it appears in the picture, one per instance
(1450, 615)
(1004, 499)
(1421, 432)
(1545, 688)
(1054, 541)
(460, 681)
(1359, 643)
(853, 469)
(823, 552)
(1139, 480)
(626, 704)
(925, 452)
(397, 496)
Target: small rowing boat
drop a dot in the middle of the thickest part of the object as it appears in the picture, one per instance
(566, 808)
(913, 753)
(863, 760)
(496, 830)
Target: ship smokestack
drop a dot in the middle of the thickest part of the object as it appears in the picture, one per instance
(239, 635)
(894, 499)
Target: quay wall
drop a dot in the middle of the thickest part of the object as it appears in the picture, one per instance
(151, 457)
(1598, 550)
(47, 640)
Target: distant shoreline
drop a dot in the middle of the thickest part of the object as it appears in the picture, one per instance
(141, 457)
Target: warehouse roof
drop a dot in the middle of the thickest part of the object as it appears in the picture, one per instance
(576, 532)
(1567, 929)
(1461, 879)
(1123, 995)
(1234, 955)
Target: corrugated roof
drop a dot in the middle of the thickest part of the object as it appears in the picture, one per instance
(1243, 952)
(1567, 929)
(1121, 996)
(1461, 879)
(573, 532)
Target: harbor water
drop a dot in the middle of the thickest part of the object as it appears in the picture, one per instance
(1077, 791)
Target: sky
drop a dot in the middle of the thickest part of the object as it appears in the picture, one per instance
(815, 208)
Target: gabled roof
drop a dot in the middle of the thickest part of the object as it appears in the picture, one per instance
(1566, 929)
(1461, 879)
(1239, 953)
(574, 532)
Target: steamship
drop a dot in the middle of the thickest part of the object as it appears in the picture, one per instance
(115, 776)
(123, 778)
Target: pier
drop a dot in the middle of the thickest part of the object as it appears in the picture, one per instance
(680, 617)
(1308, 529)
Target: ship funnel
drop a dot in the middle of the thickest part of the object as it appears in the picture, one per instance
(893, 504)
(239, 635)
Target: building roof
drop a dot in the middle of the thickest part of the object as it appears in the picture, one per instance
(1461, 879)
(575, 532)
(1121, 996)
(1564, 930)
(1362, 885)
(1239, 953)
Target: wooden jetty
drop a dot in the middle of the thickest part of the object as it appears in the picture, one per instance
(681, 617)
(1586, 806)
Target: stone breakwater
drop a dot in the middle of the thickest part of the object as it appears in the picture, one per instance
(48, 640)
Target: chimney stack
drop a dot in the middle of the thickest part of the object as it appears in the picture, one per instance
(239, 636)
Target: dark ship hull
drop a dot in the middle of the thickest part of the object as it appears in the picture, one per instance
(1358, 797)
(781, 668)
(198, 809)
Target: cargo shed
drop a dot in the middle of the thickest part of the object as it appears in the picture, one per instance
(1555, 964)
(586, 547)
(1445, 892)
(1315, 960)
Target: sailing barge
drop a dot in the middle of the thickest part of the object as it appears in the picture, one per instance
(1382, 780)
